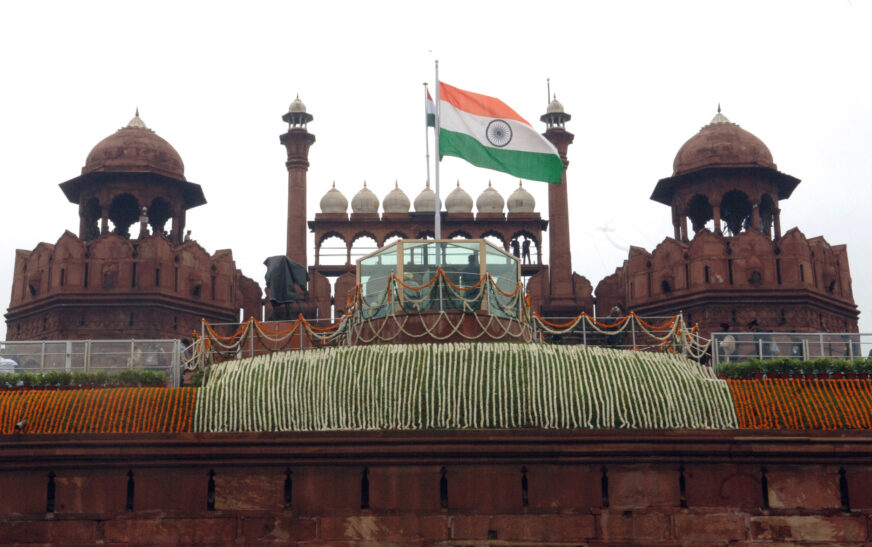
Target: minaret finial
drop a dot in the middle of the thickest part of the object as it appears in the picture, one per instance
(548, 97)
(137, 111)
(719, 108)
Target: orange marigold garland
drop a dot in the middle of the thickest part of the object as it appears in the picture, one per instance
(107, 410)
(802, 403)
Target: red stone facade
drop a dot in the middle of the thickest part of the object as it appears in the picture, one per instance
(105, 284)
(738, 272)
(554, 288)
(440, 488)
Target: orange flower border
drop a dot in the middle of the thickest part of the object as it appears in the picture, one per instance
(108, 410)
(802, 403)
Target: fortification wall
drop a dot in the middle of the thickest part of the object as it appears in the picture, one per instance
(440, 488)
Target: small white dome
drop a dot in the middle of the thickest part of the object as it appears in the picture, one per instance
(137, 123)
(521, 201)
(396, 201)
(426, 200)
(364, 201)
(297, 105)
(334, 201)
(555, 107)
(490, 201)
(458, 201)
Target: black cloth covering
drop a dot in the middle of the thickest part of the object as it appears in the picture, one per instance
(282, 277)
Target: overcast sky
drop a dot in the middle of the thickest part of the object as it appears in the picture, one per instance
(639, 79)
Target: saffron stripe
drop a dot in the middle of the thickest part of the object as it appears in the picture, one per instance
(546, 167)
(478, 104)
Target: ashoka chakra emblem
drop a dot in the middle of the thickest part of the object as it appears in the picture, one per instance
(499, 133)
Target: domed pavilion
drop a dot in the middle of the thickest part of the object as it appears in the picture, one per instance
(737, 271)
(132, 271)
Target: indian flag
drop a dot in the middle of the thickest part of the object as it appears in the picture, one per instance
(488, 133)
(431, 111)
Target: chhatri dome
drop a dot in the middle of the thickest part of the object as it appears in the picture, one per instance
(364, 201)
(426, 200)
(490, 201)
(521, 201)
(458, 201)
(396, 201)
(135, 148)
(721, 143)
(334, 201)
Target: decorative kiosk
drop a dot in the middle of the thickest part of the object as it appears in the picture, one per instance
(439, 290)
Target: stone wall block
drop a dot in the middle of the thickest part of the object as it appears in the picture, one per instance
(563, 487)
(90, 491)
(831, 529)
(544, 527)
(634, 525)
(643, 486)
(723, 486)
(407, 488)
(239, 489)
(804, 487)
(484, 488)
(369, 528)
(709, 525)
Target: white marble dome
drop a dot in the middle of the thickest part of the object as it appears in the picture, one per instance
(396, 201)
(426, 200)
(364, 201)
(521, 201)
(334, 201)
(297, 106)
(458, 201)
(490, 201)
(555, 107)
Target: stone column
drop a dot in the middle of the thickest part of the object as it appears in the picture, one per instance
(297, 142)
(755, 216)
(558, 222)
(716, 216)
(777, 223)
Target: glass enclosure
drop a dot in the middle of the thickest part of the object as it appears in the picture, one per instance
(413, 284)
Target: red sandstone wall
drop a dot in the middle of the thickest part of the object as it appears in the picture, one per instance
(507, 488)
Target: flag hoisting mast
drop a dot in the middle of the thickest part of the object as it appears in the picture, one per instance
(437, 215)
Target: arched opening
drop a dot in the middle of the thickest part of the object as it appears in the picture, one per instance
(426, 234)
(123, 212)
(495, 238)
(159, 212)
(736, 211)
(332, 251)
(700, 212)
(767, 214)
(392, 237)
(363, 244)
(460, 234)
(91, 214)
(524, 246)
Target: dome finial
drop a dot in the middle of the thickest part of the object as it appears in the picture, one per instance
(719, 107)
(137, 111)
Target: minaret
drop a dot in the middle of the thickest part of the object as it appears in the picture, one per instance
(297, 141)
(558, 210)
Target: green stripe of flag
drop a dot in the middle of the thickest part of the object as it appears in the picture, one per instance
(526, 165)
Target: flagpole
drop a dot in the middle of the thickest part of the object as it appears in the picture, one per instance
(426, 130)
(437, 216)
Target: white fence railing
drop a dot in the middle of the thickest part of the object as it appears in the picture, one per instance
(41, 356)
(741, 346)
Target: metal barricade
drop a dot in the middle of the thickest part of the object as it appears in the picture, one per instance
(41, 356)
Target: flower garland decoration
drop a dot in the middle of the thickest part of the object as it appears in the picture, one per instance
(109, 410)
(462, 386)
(802, 403)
